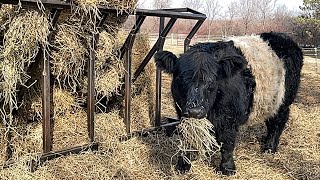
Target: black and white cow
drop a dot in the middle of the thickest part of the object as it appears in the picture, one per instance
(232, 81)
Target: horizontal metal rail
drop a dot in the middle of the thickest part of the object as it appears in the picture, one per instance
(33, 164)
(184, 13)
(183, 10)
(169, 129)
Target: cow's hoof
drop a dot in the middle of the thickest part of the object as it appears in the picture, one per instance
(228, 168)
(269, 148)
(182, 166)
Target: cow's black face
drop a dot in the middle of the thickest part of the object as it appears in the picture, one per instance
(199, 100)
(196, 76)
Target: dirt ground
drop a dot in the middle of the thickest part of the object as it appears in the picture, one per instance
(153, 157)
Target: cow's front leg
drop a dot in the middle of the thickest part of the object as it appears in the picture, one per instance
(183, 165)
(227, 138)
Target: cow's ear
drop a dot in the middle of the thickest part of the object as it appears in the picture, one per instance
(166, 61)
(230, 65)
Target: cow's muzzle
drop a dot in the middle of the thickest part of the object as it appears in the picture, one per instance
(195, 112)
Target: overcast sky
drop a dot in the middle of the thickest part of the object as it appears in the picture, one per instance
(291, 4)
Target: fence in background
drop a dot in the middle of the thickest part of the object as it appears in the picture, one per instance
(178, 39)
(312, 53)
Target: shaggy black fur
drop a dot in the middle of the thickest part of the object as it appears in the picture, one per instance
(213, 80)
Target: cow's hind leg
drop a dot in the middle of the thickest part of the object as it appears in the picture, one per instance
(275, 127)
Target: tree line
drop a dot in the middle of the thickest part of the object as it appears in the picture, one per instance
(242, 17)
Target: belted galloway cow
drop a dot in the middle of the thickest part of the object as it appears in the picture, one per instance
(230, 82)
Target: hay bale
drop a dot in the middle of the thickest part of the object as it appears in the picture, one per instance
(26, 31)
(64, 102)
(143, 89)
(109, 80)
(69, 59)
(105, 49)
(108, 128)
(26, 140)
(140, 112)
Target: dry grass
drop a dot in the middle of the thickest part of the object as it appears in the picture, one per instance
(109, 80)
(153, 157)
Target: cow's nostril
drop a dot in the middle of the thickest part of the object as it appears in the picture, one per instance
(195, 112)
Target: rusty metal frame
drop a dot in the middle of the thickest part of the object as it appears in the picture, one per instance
(173, 14)
(55, 7)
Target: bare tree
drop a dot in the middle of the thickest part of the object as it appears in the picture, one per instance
(160, 4)
(282, 19)
(228, 18)
(247, 12)
(265, 8)
(193, 4)
(211, 8)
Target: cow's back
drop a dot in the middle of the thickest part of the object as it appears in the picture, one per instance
(270, 70)
(291, 55)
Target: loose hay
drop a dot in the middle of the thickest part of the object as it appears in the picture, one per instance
(27, 140)
(21, 40)
(6, 14)
(197, 135)
(108, 128)
(3, 143)
(105, 50)
(69, 46)
(70, 130)
(109, 80)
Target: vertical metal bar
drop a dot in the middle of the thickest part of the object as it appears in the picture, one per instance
(128, 81)
(91, 79)
(128, 90)
(46, 95)
(46, 126)
(191, 34)
(159, 79)
(137, 20)
(127, 51)
(91, 97)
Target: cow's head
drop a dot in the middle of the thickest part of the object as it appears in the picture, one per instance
(196, 76)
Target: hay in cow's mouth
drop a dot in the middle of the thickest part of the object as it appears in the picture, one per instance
(197, 135)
